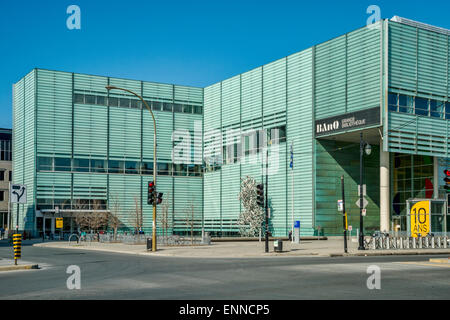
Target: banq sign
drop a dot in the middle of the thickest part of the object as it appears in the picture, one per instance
(348, 121)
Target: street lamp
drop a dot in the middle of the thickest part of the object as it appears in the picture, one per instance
(364, 147)
(155, 162)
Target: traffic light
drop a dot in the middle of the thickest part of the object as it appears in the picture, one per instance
(447, 180)
(260, 195)
(159, 198)
(151, 192)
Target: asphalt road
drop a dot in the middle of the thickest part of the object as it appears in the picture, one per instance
(121, 276)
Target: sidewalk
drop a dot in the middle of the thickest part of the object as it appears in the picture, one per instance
(323, 248)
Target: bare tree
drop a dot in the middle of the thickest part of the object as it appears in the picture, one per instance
(114, 221)
(136, 215)
(190, 218)
(163, 217)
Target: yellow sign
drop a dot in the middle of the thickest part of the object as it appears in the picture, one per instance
(59, 223)
(420, 219)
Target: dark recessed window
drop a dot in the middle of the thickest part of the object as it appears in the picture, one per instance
(78, 98)
(131, 167)
(421, 106)
(63, 164)
(81, 165)
(45, 164)
(101, 100)
(136, 104)
(115, 166)
(163, 169)
(393, 102)
(113, 102)
(98, 166)
(89, 99)
(187, 108)
(405, 103)
(147, 168)
(197, 109)
(124, 102)
(177, 107)
(2, 195)
(436, 109)
(2, 175)
(167, 107)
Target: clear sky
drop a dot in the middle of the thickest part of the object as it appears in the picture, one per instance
(190, 42)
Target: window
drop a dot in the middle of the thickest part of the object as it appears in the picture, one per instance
(81, 165)
(115, 166)
(393, 102)
(63, 164)
(198, 110)
(10, 176)
(437, 109)
(2, 175)
(156, 106)
(278, 134)
(447, 110)
(163, 169)
(98, 166)
(405, 103)
(421, 106)
(124, 102)
(147, 168)
(177, 107)
(101, 100)
(187, 108)
(78, 98)
(45, 164)
(136, 104)
(131, 167)
(2, 195)
(113, 102)
(167, 107)
(179, 169)
(89, 99)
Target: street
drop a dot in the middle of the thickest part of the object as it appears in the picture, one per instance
(123, 276)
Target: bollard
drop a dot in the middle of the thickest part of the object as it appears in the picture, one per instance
(401, 243)
(432, 242)
(387, 243)
(445, 242)
(374, 243)
(414, 243)
(17, 244)
(439, 242)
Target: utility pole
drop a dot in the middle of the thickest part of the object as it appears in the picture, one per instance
(267, 202)
(361, 193)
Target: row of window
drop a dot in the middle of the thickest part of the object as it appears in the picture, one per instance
(250, 144)
(136, 103)
(68, 204)
(116, 166)
(419, 106)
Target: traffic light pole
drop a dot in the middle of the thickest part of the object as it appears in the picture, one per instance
(361, 193)
(155, 162)
(344, 214)
(266, 201)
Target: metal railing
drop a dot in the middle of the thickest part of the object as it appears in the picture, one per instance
(385, 241)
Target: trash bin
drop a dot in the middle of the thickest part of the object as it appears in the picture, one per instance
(149, 244)
(278, 246)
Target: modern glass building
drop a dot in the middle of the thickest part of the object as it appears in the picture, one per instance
(78, 147)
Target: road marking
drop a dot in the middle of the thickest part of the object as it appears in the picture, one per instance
(427, 264)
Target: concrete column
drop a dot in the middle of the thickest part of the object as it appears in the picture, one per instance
(385, 203)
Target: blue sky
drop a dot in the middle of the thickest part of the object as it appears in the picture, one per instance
(194, 42)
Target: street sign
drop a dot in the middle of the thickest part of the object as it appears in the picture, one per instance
(365, 203)
(18, 193)
(59, 223)
(291, 163)
(340, 205)
(364, 190)
(420, 219)
(297, 224)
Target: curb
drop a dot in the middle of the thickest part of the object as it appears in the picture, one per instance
(19, 267)
(401, 253)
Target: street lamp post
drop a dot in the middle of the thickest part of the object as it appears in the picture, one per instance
(155, 162)
(363, 147)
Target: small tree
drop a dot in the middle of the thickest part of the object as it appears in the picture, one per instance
(163, 217)
(190, 218)
(251, 219)
(136, 215)
(114, 213)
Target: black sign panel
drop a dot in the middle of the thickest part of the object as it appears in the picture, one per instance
(354, 120)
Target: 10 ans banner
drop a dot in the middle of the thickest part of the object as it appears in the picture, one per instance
(420, 219)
